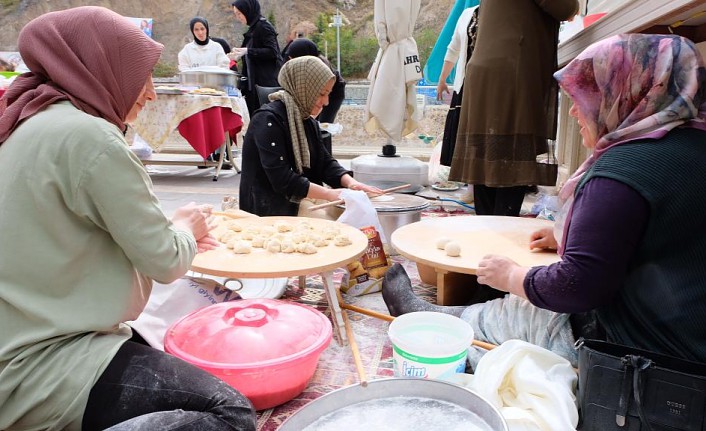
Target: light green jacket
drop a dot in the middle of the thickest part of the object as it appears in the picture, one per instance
(82, 236)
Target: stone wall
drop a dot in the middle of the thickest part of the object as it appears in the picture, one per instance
(354, 140)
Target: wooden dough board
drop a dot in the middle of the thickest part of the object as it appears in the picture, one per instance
(261, 263)
(477, 235)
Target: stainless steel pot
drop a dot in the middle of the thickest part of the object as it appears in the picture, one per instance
(216, 78)
(396, 210)
(390, 388)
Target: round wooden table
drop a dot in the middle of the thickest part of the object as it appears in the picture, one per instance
(261, 263)
(478, 236)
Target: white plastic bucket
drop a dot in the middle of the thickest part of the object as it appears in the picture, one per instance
(429, 345)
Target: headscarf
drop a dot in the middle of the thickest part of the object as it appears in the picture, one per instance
(91, 56)
(302, 80)
(203, 21)
(249, 8)
(634, 86)
(302, 46)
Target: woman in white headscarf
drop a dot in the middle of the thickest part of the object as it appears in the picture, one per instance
(284, 158)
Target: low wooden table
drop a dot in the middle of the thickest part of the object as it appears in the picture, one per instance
(261, 263)
(478, 236)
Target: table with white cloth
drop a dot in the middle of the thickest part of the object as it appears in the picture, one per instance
(261, 263)
(204, 124)
(478, 236)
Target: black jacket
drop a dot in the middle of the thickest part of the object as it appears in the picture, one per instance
(269, 185)
(262, 62)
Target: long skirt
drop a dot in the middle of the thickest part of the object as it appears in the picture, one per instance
(448, 143)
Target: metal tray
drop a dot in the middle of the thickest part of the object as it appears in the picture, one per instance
(389, 388)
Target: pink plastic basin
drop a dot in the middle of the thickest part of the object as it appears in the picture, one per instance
(267, 349)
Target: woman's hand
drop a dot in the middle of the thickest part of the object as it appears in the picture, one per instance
(503, 274)
(195, 219)
(543, 239)
(370, 190)
(237, 53)
(208, 242)
(441, 88)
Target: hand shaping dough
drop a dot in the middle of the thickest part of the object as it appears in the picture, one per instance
(453, 249)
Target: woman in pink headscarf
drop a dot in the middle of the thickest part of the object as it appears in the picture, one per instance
(88, 238)
(632, 245)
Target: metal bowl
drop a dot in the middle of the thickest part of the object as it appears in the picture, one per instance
(216, 78)
(390, 388)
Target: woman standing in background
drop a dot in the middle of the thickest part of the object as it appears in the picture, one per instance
(202, 51)
(509, 107)
(261, 57)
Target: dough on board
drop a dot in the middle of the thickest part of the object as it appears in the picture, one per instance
(453, 249)
(441, 242)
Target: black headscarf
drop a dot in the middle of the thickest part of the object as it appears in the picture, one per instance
(249, 8)
(223, 43)
(203, 21)
(302, 46)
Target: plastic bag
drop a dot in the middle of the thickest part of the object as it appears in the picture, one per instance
(141, 148)
(364, 275)
(546, 207)
(438, 173)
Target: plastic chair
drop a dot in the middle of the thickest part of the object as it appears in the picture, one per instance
(263, 92)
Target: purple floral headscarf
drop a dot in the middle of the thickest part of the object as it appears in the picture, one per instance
(635, 86)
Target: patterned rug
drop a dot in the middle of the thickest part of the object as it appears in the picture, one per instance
(336, 368)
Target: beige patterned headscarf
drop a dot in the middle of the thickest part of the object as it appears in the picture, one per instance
(302, 79)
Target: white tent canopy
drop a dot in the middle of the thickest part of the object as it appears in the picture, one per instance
(391, 105)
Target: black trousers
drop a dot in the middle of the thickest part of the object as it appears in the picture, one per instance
(146, 389)
(501, 201)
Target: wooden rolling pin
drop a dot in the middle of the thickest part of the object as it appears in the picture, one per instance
(388, 318)
(340, 201)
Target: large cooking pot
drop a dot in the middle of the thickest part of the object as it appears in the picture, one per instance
(380, 405)
(209, 77)
(395, 210)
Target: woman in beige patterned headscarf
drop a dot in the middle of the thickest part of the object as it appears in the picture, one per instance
(284, 158)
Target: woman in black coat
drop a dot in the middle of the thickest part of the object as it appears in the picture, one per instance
(261, 57)
(285, 165)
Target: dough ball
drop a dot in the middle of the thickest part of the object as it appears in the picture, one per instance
(274, 246)
(299, 237)
(330, 233)
(342, 240)
(318, 240)
(304, 226)
(288, 246)
(234, 226)
(227, 236)
(241, 247)
(441, 242)
(453, 249)
(259, 241)
(267, 231)
(306, 248)
(283, 226)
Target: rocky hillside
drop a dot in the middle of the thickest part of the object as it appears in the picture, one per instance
(171, 17)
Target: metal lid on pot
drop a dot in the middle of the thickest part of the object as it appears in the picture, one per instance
(247, 333)
(205, 70)
(396, 202)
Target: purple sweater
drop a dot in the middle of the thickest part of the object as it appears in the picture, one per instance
(608, 221)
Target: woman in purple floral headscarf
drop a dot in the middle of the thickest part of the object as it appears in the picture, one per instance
(632, 267)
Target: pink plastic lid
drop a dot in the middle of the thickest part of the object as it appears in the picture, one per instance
(248, 333)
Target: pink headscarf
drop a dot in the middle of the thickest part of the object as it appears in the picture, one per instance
(634, 86)
(91, 56)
